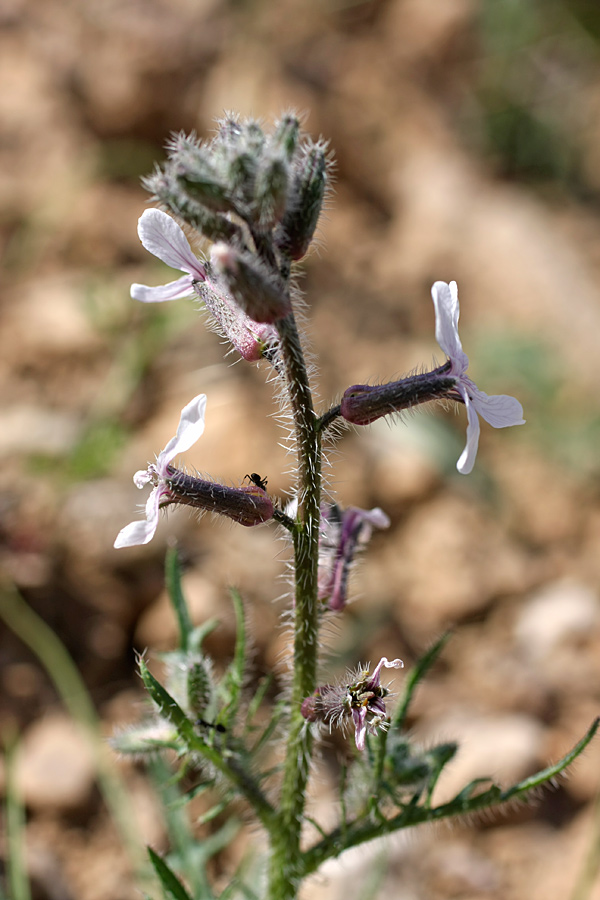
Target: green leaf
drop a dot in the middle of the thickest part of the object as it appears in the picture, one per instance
(175, 591)
(414, 677)
(492, 793)
(171, 884)
(169, 708)
(201, 632)
(551, 772)
(363, 829)
(234, 677)
(212, 813)
(254, 704)
(15, 829)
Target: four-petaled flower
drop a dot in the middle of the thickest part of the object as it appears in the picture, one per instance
(499, 410)
(162, 236)
(191, 426)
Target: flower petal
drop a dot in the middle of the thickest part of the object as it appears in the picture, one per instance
(467, 458)
(375, 517)
(143, 476)
(141, 532)
(191, 426)
(447, 311)
(183, 287)
(162, 236)
(389, 664)
(360, 727)
(500, 410)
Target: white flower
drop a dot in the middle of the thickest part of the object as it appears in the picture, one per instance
(163, 237)
(191, 426)
(500, 410)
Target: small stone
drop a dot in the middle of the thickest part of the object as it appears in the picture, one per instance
(558, 612)
(55, 768)
(504, 748)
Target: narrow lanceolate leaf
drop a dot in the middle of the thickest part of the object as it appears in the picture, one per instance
(168, 707)
(546, 775)
(352, 834)
(171, 885)
(239, 777)
(176, 596)
(414, 677)
(234, 678)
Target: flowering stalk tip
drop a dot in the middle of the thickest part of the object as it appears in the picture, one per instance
(258, 290)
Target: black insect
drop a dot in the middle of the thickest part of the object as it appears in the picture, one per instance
(257, 480)
(202, 723)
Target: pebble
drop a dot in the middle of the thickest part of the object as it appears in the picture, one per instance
(559, 611)
(54, 765)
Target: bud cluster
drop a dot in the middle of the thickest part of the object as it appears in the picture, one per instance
(257, 196)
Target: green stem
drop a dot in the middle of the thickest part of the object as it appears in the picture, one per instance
(52, 654)
(18, 881)
(285, 849)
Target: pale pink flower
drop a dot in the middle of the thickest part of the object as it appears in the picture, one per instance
(162, 236)
(359, 697)
(500, 410)
(191, 427)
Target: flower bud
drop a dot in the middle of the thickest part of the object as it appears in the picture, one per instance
(205, 188)
(199, 688)
(306, 195)
(342, 534)
(170, 193)
(241, 174)
(253, 340)
(286, 135)
(271, 191)
(311, 707)
(260, 293)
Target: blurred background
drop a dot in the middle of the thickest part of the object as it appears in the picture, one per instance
(467, 141)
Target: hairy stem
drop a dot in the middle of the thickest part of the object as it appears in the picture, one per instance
(352, 834)
(286, 854)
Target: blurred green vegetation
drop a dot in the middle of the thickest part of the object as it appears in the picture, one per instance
(562, 421)
(537, 61)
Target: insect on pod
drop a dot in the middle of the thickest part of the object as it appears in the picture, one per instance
(255, 478)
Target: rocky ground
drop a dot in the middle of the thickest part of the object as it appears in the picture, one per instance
(467, 145)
